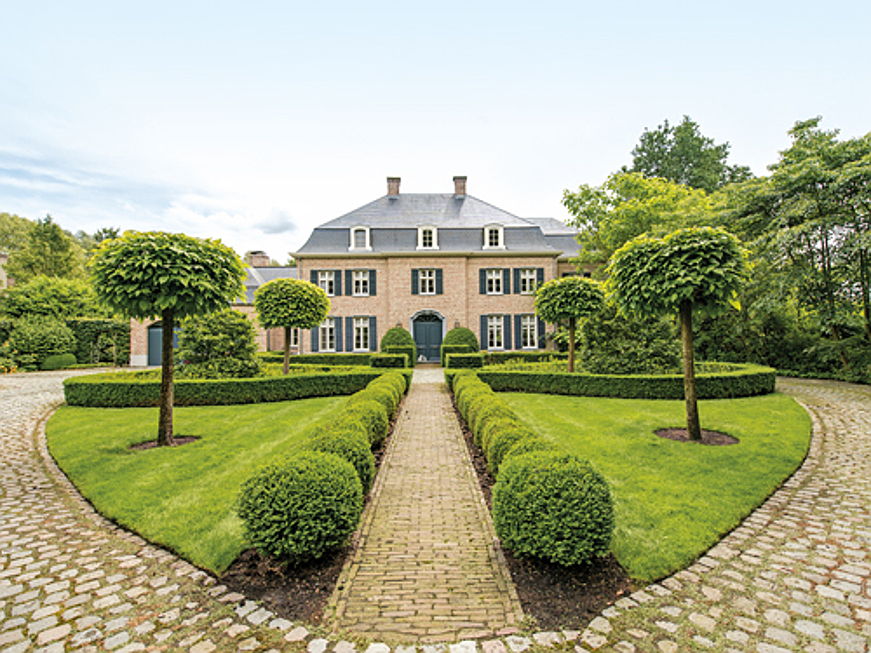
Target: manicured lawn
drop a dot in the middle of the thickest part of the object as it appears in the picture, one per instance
(180, 497)
(673, 500)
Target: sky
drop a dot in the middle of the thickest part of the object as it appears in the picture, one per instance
(254, 122)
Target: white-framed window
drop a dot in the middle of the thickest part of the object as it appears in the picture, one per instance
(360, 280)
(361, 334)
(528, 332)
(294, 338)
(495, 332)
(426, 280)
(327, 281)
(494, 281)
(494, 237)
(427, 238)
(527, 281)
(327, 335)
(360, 238)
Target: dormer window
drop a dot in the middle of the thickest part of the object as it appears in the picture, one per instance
(494, 237)
(360, 238)
(427, 238)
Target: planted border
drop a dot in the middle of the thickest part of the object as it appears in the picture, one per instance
(738, 380)
(115, 391)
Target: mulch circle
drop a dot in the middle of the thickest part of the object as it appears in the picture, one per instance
(712, 438)
(177, 441)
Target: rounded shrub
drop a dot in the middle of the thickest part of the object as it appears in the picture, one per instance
(534, 444)
(301, 508)
(348, 443)
(57, 362)
(462, 336)
(396, 379)
(390, 386)
(493, 409)
(397, 336)
(373, 416)
(501, 439)
(217, 345)
(553, 506)
(34, 339)
(489, 429)
(385, 396)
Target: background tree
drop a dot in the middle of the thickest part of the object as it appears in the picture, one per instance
(48, 250)
(217, 345)
(89, 242)
(13, 232)
(147, 275)
(291, 304)
(568, 299)
(56, 297)
(698, 268)
(682, 154)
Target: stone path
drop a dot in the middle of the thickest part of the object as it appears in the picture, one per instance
(426, 567)
(795, 576)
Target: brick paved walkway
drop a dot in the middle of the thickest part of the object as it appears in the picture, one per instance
(426, 567)
(795, 576)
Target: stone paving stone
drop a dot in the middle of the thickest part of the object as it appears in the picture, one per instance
(426, 563)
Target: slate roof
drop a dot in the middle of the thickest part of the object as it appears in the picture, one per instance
(256, 277)
(393, 223)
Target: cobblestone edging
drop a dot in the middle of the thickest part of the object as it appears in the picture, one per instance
(793, 576)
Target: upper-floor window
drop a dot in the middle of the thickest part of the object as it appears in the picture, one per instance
(361, 334)
(494, 282)
(426, 282)
(427, 238)
(327, 335)
(528, 332)
(495, 332)
(527, 281)
(327, 281)
(360, 238)
(360, 280)
(494, 237)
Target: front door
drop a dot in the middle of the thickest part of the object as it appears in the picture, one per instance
(428, 336)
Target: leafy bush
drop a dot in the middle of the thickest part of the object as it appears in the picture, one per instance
(101, 340)
(318, 359)
(409, 350)
(54, 297)
(483, 411)
(217, 345)
(348, 443)
(500, 439)
(398, 337)
(300, 509)
(383, 395)
(57, 362)
(462, 336)
(501, 357)
(553, 506)
(373, 415)
(6, 326)
(35, 338)
(465, 360)
(390, 360)
(529, 445)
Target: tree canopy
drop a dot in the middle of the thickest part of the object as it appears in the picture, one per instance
(568, 299)
(46, 250)
(59, 298)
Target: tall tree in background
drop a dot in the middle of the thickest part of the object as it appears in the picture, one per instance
(90, 242)
(683, 154)
(13, 232)
(49, 251)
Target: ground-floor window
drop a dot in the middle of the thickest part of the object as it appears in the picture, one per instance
(361, 334)
(528, 332)
(327, 335)
(495, 332)
(294, 337)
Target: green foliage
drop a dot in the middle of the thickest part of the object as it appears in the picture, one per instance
(57, 362)
(291, 303)
(397, 336)
(565, 298)
(553, 506)
(738, 381)
(301, 509)
(534, 444)
(462, 336)
(446, 350)
(47, 251)
(349, 444)
(409, 351)
(34, 339)
(389, 360)
(501, 357)
(319, 359)
(14, 231)
(217, 345)
(101, 340)
(464, 360)
(53, 296)
(682, 154)
(505, 435)
(143, 274)
(372, 415)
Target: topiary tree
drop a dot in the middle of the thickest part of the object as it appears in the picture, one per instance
(462, 336)
(699, 268)
(146, 275)
(397, 336)
(217, 345)
(290, 304)
(568, 299)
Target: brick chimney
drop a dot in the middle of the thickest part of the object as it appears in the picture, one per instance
(393, 186)
(459, 187)
(258, 259)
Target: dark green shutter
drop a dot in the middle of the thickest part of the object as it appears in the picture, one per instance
(482, 281)
(506, 280)
(415, 274)
(349, 282)
(518, 340)
(337, 279)
(484, 342)
(506, 328)
(349, 334)
(539, 276)
(337, 323)
(372, 286)
(542, 341)
(440, 287)
(373, 333)
(314, 277)
(315, 340)
(517, 280)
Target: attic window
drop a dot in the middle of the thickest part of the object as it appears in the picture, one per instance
(427, 238)
(360, 238)
(494, 237)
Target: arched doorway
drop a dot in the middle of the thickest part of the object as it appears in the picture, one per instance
(155, 343)
(427, 329)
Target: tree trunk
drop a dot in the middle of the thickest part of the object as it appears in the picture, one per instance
(286, 349)
(689, 373)
(571, 344)
(164, 424)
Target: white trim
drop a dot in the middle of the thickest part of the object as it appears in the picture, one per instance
(534, 274)
(321, 328)
(420, 281)
(352, 247)
(427, 311)
(499, 320)
(368, 280)
(534, 331)
(435, 237)
(498, 275)
(365, 322)
(501, 231)
(324, 284)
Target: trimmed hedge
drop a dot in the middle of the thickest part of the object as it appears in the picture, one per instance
(317, 359)
(101, 340)
(464, 360)
(371, 414)
(498, 357)
(390, 360)
(410, 352)
(57, 362)
(350, 443)
(118, 390)
(455, 349)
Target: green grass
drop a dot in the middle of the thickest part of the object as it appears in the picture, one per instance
(674, 500)
(180, 497)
